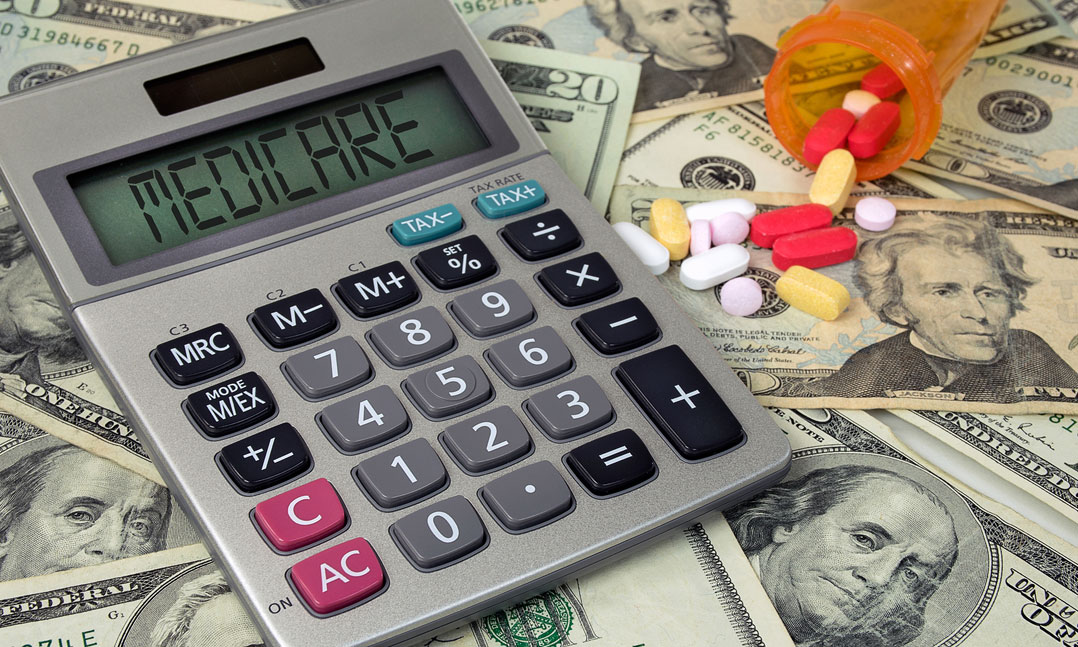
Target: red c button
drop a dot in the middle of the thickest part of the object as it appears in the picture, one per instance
(301, 516)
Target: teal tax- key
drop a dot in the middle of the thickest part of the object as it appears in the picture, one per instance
(511, 200)
(427, 225)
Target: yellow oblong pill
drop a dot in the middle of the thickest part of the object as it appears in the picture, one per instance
(834, 180)
(670, 226)
(812, 292)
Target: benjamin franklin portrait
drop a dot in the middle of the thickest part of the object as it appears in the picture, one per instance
(954, 285)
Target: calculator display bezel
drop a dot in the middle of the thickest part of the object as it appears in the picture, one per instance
(98, 270)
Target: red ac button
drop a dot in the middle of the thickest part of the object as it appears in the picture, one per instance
(301, 516)
(339, 576)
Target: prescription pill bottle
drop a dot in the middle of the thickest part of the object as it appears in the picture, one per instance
(927, 43)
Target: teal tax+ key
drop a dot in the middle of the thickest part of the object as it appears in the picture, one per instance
(511, 200)
(426, 226)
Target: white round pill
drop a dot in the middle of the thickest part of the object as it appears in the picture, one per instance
(708, 210)
(714, 266)
(700, 236)
(729, 227)
(650, 251)
(858, 102)
(874, 214)
(741, 297)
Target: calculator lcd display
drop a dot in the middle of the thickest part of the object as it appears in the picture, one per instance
(160, 199)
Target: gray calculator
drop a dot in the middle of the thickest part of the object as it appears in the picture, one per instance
(390, 360)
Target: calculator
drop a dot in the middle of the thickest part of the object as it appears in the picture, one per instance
(392, 363)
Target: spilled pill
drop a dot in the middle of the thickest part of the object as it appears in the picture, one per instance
(670, 226)
(858, 102)
(874, 214)
(828, 133)
(708, 210)
(767, 227)
(872, 132)
(714, 266)
(882, 82)
(816, 248)
(834, 180)
(812, 292)
(728, 228)
(741, 297)
(650, 251)
(700, 236)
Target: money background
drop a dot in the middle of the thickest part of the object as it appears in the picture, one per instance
(1017, 585)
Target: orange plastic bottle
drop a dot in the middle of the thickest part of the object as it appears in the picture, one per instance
(926, 42)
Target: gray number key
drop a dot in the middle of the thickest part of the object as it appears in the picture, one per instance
(570, 409)
(438, 535)
(532, 357)
(487, 441)
(328, 369)
(402, 475)
(493, 310)
(449, 388)
(365, 420)
(527, 498)
(413, 338)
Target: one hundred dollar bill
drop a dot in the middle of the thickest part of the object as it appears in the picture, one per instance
(958, 307)
(63, 508)
(693, 587)
(1036, 453)
(47, 39)
(1010, 124)
(733, 148)
(579, 105)
(863, 545)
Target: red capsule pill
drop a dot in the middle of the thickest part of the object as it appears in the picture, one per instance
(872, 131)
(770, 226)
(816, 248)
(828, 133)
(882, 82)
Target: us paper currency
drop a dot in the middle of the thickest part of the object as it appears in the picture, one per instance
(1036, 453)
(63, 508)
(734, 148)
(863, 545)
(693, 586)
(1009, 126)
(46, 39)
(1024, 23)
(580, 106)
(961, 306)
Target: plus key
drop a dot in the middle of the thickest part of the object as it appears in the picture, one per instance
(681, 402)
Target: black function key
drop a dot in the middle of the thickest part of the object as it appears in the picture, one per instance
(456, 264)
(231, 406)
(295, 320)
(544, 236)
(266, 459)
(612, 464)
(199, 356)
(378, 290)
(581, 280)
(681, 402)
(619, 327)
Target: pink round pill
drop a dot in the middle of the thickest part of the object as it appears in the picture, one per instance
(741, 297)
(874, 214)
(729, 228)
(700, 237)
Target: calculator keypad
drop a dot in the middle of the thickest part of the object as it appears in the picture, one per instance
(413, 338)
(530, 358)
(379, 290)
(294, 320)
(266, 459)
(440, 534)
(365, 420)
(456, 264)
(402, 475)
(328, 369)
(493, 310)
(449, 388)
(233, 405)
(528, 497)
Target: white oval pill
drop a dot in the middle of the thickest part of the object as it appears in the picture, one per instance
(874, 214)
(651, 252)
(714, 266)
(858, 102)
(708, 210)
